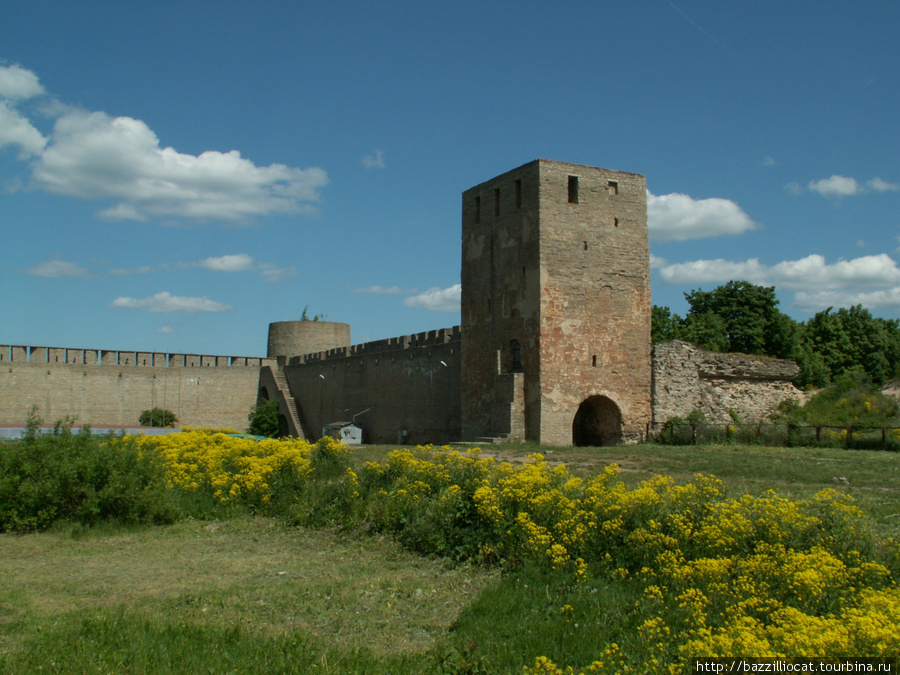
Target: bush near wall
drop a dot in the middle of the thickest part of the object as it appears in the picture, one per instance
(80, 478)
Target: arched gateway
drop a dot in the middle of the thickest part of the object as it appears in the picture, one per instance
(597, 422)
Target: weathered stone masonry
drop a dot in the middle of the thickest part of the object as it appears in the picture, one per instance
(112, 388)
(554, 344)
(687, 378)
(556, 305)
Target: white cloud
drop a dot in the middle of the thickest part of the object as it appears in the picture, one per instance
(769, 161)
(437, 299)
(836, 186)
(679, 217)
(17, 82)
(380, 290)
(166, 302)
(95, 156)
(873, 280)
(656, 262)
(17, 131)
(815, 302)
(165, 330)
(145, 269)
(228, 263)
(809, 273)
(55, 269)
(273, 274)
(844, 186)
(374, 161)
(883, 186)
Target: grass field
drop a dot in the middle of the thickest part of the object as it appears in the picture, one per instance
(255, 595)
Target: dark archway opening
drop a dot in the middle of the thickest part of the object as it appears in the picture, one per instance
(597, 422)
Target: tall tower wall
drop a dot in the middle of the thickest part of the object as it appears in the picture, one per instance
(595, 305)
(556, 306)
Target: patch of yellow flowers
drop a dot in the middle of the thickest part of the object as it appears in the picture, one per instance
(230, 468)
(746, 576)
(753, 575)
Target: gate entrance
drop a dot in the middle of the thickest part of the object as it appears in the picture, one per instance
(597, 422)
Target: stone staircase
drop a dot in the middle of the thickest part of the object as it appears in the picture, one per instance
(285, 390)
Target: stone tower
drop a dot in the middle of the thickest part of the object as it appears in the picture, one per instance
(556, 306)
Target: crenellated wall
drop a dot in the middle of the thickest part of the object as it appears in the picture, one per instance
(400, 390)
(112, 387)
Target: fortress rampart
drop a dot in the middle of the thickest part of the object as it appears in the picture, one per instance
(112, 387)
(554, 343)
(400, 390)
(107, 357)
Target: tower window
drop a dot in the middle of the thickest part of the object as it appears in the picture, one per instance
(573, 189)
(516, 353)
(518, 193)
(616, 222)
(594, 360)
(585, 245)
(496, 202)
(613, 187)
(477, 209)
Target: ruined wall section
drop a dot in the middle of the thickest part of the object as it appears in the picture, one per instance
(400, 390)
(687, 378)
(112, 387)
(595, 301)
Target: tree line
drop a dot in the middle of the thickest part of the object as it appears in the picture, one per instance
(743, 317)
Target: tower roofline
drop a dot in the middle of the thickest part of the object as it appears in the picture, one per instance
(542, 161)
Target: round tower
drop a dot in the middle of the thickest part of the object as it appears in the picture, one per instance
(295, 338)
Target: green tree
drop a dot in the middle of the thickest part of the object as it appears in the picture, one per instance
(157, 418)
(752, 322)
(264, 420)
(665, 325)
(851, 340)
(707, 330)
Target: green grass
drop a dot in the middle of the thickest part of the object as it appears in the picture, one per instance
(254, 595)
(242, 590)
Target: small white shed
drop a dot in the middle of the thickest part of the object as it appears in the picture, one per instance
(346, 432)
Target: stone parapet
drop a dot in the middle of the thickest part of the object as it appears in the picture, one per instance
(106, 357)
(430, 338)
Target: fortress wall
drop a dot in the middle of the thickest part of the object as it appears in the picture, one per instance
(426, 339)
(115, 391)
(687, 378)
(411, 384)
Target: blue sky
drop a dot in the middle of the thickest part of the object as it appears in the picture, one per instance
(174, 176)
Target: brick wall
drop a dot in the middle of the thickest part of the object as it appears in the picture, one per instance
(114, 392)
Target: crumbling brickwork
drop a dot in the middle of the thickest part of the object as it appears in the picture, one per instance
(687, 378)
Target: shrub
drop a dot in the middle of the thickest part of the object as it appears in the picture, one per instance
(80, 478)
(157, 418)
(264, 420)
